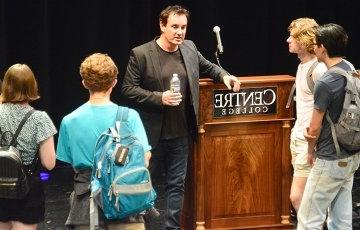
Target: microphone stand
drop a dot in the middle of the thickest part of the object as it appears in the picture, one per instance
(218, 60)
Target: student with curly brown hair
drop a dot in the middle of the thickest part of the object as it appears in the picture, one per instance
(79, 131)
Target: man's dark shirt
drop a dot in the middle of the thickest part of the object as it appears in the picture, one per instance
(175, 120)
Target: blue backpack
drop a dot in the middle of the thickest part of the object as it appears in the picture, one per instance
(120, 182)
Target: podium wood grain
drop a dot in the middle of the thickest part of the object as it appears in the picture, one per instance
(239, 172)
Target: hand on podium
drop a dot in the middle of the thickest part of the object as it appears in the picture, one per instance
(232, 80)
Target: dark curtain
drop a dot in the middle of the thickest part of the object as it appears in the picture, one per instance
(54, 36)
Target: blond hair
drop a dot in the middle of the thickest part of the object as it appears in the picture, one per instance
(303, 31)
(98, 72)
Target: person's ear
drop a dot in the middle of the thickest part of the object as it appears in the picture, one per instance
(83, 83)
(162, 27)
(324, 50)
(114, 83)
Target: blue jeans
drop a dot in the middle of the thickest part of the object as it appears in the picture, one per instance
(172, 155)
(328, 188)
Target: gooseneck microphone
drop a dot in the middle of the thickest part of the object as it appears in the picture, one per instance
(220, 48)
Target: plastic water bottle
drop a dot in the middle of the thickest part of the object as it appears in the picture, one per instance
(175, 83)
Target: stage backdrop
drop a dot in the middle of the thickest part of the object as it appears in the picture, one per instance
(54, 36)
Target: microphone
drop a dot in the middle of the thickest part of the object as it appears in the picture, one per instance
(220, 48)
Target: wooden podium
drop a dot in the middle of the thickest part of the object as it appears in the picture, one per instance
(239, 174)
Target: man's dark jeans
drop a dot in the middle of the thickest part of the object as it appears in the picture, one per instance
(171, 155)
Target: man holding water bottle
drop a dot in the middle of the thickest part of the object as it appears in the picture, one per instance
(162, 83)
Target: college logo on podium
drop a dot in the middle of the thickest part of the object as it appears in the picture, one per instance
(248, 101)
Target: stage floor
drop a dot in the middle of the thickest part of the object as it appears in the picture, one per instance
(59, 187)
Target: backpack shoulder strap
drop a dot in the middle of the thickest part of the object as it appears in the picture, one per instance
(337, 70)
(309, 79)
(291, 96)
(27, 115)
(350, 82)
(122, 114)
(333, 134)
(121, 117)
(125, 116)
(342, 72)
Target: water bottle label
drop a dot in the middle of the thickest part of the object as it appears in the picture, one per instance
(175, 89)
(175, 84)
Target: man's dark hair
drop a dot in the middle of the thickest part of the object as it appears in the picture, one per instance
(333, 37)
(176, 9)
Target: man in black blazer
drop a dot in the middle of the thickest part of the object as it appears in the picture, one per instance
(168, 116)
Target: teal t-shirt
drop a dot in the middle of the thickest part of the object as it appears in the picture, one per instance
(80, 129)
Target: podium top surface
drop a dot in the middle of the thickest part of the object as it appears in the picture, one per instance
(255, 79)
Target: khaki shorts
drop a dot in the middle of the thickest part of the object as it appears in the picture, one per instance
(298, 149)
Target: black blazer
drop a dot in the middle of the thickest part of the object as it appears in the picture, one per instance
(142, 85)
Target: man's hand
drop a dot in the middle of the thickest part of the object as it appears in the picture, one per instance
(232, 80)
(311, 158)
(311, 146)
(171, 99)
